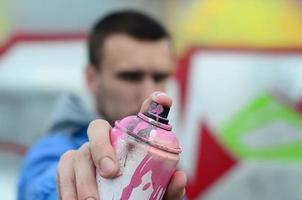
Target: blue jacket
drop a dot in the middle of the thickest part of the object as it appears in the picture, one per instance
(38, 175)
(68, 131)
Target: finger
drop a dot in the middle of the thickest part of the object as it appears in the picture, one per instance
(102, 152)
(159, 97)
(66, 178)
(85, 174)
(58, 187)
(176, 188)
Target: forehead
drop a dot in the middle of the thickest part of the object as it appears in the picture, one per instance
(124, 52)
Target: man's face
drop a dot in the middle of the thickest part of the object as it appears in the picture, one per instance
(130, 71)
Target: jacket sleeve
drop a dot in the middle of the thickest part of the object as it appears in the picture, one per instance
(38, 174)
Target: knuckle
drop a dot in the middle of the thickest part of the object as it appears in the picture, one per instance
(69, 155)
(83, 151)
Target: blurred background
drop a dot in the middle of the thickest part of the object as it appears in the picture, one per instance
(237, 91)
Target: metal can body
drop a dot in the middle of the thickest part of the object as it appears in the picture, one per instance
(145, 168)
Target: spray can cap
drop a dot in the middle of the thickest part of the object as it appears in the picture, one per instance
(158, 112)
(152, 127)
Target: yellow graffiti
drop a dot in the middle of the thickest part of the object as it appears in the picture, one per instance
(257, 23)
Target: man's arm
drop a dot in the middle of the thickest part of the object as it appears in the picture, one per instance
(76, 170)
(52, 162)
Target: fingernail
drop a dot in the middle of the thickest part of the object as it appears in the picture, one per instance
(90, 198)
(107, 165)
(158, 94)
(161, 94)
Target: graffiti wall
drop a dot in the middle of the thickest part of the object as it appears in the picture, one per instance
(240, 94)
(241, 123)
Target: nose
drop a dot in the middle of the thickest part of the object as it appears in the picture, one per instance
(148, 86)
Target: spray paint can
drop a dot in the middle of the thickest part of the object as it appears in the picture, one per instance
(147, 151)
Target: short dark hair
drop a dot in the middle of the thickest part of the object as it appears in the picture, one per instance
(128, 22)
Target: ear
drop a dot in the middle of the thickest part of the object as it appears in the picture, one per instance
(91, 78)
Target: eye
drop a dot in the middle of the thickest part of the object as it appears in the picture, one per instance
(131, 76)
(159, 77)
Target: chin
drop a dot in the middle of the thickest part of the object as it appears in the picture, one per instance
(131, 113)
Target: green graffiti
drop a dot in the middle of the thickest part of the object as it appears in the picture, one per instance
(262, 113)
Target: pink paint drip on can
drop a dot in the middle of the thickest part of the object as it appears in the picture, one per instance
(148, 153)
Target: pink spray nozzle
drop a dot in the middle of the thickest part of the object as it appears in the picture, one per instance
(158, 112)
